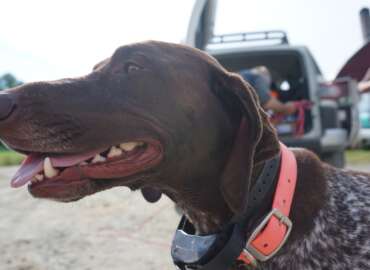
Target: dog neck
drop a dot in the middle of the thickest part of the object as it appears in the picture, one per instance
(204, 222)
(309, 199)
(209, 221)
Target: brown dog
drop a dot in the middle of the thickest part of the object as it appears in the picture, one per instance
(164, 117)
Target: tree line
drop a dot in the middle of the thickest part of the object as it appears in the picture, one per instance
(8, 80)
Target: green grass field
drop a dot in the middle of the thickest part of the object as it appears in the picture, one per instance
(358, 156)
(8, 158)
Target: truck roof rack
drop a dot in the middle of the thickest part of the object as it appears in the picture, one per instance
(251, 36)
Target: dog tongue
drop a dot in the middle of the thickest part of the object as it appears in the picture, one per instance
(71, 160)
(33, 164)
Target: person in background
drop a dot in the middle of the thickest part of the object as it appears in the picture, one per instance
(364, 84)
(260, 79)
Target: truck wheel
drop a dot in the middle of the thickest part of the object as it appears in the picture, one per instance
(336, 159)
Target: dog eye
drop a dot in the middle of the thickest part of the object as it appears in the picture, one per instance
(131, 67)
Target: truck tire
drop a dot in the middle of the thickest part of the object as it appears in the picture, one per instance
(336, 159)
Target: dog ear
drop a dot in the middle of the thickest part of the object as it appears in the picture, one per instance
(255, 141)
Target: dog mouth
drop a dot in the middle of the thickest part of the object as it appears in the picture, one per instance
(69, 177)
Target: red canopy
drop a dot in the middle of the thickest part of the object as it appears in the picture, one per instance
(357, 65)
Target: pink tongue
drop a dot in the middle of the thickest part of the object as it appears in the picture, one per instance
(71, 160)
(33, 164)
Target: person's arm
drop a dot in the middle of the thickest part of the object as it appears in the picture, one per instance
(279, 107)
(267, 101)
(364, 86)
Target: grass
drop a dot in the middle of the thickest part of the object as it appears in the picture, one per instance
(354, 156)
(358, 156)
(8, 158)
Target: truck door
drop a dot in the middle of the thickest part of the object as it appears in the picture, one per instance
(346, 84)
(201, 24)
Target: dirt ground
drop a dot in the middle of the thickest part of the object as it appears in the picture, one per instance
(112, 230)
(116, 229)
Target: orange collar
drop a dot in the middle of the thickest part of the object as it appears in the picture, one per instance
(271, 234)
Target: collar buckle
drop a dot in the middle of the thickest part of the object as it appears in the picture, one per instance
(254, 252)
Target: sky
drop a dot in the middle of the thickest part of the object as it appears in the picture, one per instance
(49, 39)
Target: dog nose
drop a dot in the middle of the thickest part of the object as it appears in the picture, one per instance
(6, 106)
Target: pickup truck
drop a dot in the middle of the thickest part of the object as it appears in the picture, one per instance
(332, 122)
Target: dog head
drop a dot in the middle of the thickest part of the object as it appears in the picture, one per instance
(154, 116)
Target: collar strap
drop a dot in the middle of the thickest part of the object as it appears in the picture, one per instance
(273, 231)
(263, 188)
(265, 241)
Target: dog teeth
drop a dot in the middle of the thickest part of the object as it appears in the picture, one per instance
(49, 170)
(98, 158)
(114, 152)
(39, 177)
(129, 146)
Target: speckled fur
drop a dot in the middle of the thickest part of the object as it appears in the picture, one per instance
(340, 238)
